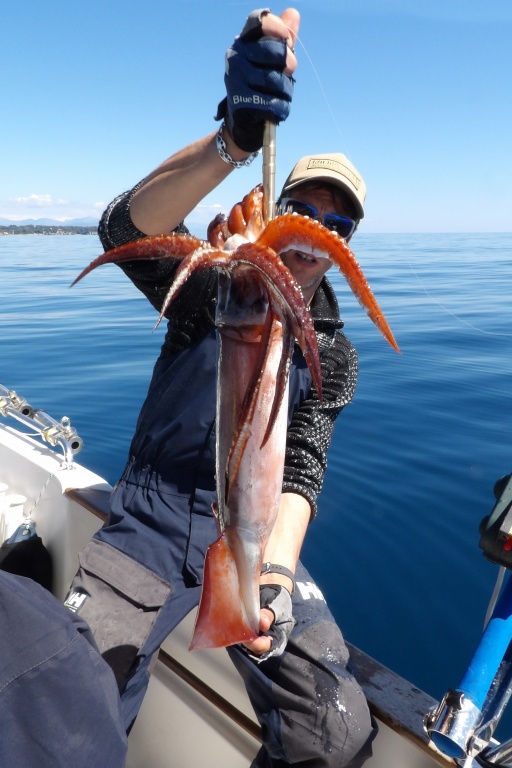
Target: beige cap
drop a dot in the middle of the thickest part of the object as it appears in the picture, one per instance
(333, 168)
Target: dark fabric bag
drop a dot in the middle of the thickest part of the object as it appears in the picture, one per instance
(27, 556)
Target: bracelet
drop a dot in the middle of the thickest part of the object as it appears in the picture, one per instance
(224, 154)
(273, 568)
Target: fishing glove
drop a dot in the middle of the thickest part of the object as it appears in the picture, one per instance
(256, 86)
(278, 600)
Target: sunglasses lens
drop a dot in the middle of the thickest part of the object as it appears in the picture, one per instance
(295, 206)
(340, 224)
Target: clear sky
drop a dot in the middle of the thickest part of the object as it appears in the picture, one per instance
(418, 95)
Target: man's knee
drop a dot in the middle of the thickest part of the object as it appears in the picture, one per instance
(324, 757)
(312, 711)
(337, 735)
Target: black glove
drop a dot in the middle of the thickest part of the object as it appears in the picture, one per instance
(256, 86)
(278, 600)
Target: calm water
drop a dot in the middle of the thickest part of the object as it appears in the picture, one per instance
(414, 458)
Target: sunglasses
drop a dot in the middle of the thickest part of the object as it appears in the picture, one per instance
(343, 225)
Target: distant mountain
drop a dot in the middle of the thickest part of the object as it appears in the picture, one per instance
(87, 221)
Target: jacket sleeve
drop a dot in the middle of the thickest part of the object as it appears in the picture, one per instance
(192, 313)
(312, 425)
(116, 228)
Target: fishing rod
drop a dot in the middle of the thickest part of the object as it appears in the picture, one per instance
(462, 725)
(269, 170)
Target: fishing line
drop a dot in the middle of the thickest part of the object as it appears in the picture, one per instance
(495, 593)
(449, 312)
(340, 134)
(322, 90)
(320, 85)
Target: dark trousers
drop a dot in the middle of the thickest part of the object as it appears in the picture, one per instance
(310, 707)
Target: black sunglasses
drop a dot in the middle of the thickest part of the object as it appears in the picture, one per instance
(343, 225)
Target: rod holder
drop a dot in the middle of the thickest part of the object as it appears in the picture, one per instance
(466, 718)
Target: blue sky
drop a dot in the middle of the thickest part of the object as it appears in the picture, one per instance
(96, 94)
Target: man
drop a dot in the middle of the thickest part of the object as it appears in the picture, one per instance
(142, 572)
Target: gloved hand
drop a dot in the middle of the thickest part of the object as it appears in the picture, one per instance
(278, 600)
(256, 85)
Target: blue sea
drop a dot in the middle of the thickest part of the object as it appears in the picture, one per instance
(413, 460)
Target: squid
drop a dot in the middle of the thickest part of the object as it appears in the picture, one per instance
(260, 311)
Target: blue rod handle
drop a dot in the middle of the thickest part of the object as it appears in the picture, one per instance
(489, 654)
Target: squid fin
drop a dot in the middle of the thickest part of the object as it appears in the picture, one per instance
(221, 619)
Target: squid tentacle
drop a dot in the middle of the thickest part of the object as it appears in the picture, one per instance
(218, 232)
(236, 220)
(281, 380)
(147, 248)
(203, 257)
(291, 231)
(249, 404)
(253, 208)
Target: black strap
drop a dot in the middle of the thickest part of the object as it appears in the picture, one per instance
(273, 568)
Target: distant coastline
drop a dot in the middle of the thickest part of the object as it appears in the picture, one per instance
(46, 229)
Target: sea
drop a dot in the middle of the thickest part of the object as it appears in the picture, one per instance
(414, 457)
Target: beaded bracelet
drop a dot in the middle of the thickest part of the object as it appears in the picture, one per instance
(273, 568)
(224, 154)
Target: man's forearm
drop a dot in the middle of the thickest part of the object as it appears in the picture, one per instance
(174, 189)
(285, 542)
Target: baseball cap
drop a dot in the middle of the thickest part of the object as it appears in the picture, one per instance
(333, 168)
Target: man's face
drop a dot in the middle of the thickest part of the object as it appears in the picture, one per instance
(309, 270)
